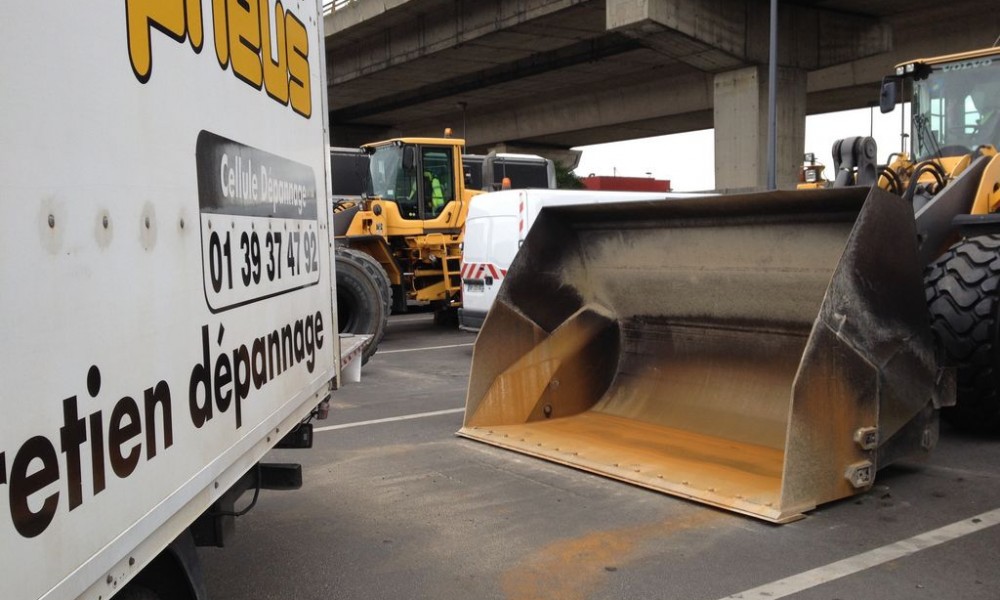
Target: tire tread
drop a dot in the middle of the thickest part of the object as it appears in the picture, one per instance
(961, 290)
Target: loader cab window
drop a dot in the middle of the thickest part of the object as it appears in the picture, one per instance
(386, 170)
(437, 179)
(957, 108)
(418, 179)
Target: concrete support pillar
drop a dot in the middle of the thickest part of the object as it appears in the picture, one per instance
(740, 112)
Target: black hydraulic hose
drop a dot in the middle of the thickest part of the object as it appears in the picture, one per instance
(895, 182)
(940, 176)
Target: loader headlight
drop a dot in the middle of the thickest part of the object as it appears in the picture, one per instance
(900, 71)
(910, 68)
(811, 176)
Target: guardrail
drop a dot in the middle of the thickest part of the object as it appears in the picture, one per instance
(333, 5)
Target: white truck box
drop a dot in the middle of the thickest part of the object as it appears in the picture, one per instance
(166, 293)
(495, 228)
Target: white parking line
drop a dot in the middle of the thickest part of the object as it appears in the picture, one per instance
(435, 413)
(424, 349)
(854, 564)
(411, 318)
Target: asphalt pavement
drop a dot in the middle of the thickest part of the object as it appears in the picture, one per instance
(394, 505)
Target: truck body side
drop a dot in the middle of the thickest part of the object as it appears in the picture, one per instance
(167, 305)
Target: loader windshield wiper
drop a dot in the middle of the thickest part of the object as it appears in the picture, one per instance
(926, 136)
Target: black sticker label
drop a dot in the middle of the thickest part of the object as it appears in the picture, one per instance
(259, 229)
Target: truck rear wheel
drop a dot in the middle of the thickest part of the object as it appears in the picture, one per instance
(363, 297)
(963, 297)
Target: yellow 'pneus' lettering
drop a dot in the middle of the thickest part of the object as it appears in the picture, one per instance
(179, 19)
(244, 40)
(267, 49)
(220, 29)
(297, 40)
(275, 71)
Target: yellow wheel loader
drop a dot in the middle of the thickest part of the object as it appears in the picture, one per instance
(762, 353)
(402, 240)
(951, 178)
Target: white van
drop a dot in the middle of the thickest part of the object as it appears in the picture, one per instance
(496, 226)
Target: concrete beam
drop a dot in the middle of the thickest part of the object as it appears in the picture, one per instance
(539, 63)
(719, 35)
(356, 13)
(567, 159)
(652, 99)
(706, 34)
(630, 130)
(360, 45)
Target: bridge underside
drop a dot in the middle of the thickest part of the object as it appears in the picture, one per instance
(548, 75)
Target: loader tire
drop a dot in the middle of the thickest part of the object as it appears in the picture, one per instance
(399, 305)
(963, 298)
(446, 317)
(363, 297)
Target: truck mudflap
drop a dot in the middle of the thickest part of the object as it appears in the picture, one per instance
(762, 353)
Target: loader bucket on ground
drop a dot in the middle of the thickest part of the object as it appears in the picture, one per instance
(763, 353)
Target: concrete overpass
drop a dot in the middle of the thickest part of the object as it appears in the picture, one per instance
(547, 75)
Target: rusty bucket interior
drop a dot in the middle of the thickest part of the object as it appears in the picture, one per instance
(763, 353)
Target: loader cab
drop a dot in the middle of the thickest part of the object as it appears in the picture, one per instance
(418, 177)
(955, 103)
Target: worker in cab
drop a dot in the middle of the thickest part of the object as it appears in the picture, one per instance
(433, 193)
(986, 98)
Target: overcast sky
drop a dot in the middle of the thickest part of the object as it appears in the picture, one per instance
(687, 159)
